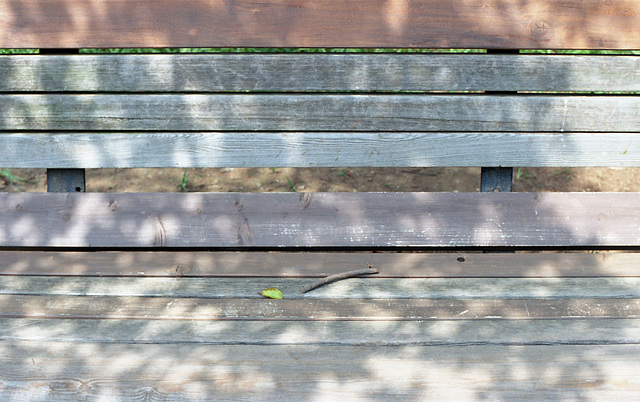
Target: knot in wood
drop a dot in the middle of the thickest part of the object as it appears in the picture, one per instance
(540, 30)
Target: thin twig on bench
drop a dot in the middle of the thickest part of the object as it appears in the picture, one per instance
(337, 277)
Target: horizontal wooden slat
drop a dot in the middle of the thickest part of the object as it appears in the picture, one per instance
(319, 219)
(317, 264)
(317, 149)
(271, 112)
(203, 309)
(312, 23)
(70, 371)
(365, 288)
(318, 72)
(425, 333)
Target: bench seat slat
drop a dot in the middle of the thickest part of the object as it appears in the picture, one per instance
(31, 369)
(317, 264)
(236, 309)
(320, 23)
(363, 288)
(303, 112)
(279, 220)
(318, 72)
(317, 149)
(322, 333)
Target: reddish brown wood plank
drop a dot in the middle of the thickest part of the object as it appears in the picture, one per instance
(317, 264)
(164, 308)
(321, 23)
(319, 220)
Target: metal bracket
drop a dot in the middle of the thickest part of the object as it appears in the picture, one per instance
(496, 179)
(65, 181)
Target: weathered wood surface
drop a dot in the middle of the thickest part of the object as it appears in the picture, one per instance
(320, 23)
(297, 309)
(300, 112)
(324, 333)
(317, 72)
(319, 220)
(68, 371)
(356, 288)
(317, 149)
(189, 343)
(318, 264)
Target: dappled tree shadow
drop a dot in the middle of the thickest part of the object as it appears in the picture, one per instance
(310, 23)
(176, 324)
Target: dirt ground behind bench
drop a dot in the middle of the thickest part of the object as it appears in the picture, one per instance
(333, 179)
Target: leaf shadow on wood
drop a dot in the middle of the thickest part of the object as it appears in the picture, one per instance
(312, 23)
(133, 334)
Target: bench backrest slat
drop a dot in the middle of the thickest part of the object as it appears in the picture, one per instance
(316, 149)
(320, 23)
(344, 113)
(101, 111)
(204, 73)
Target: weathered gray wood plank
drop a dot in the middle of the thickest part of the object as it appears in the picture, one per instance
(317, 149)
(69, 371)
(365, 288)
(203, 309)
(318, 264)
(320, 23)
(318, 72)
(280, 112)
(319, 219)
(318, 333)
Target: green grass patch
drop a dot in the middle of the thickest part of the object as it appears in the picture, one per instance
(7, 173)
(291, 186)
(594, 52)
(19, 51)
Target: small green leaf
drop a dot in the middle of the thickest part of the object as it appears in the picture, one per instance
(272, 293)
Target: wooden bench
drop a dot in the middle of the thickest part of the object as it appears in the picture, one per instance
(137, 296)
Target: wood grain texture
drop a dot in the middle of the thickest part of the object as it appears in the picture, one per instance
(320, 23)
(356, 288)
(317, 72)
(191, 325)
(236, 309)
(317, 149)
(322, 334)
(70, 371)
(317, 264)
(319, 220)
(269, 112)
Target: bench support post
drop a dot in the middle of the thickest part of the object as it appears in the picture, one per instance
(64, 180)
(498, 179)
